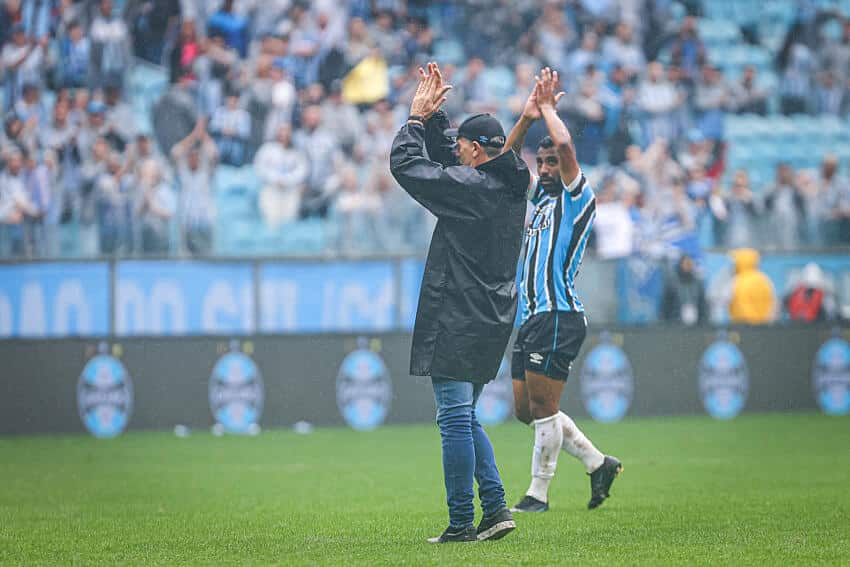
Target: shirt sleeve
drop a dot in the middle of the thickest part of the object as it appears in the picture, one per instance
(535, 191)
(579, 191)
(455, 192)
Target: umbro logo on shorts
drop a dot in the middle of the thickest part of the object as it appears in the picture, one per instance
(535, 357)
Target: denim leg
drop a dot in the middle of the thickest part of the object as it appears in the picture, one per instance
(490, 489)
(454, 418)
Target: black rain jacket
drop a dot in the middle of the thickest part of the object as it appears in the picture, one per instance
(468, 300)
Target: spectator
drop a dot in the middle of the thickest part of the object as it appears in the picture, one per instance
(796, 85)
(676, 220)
(113, 199)
(231, 128)
(614, 229)
(118, 116)
(830, 97)
(752, 296)
(360, 42)
(697, 153)
(155, 208)
(658, 99)
(688, 51)
(814, 209)
(30, 109)
(23, 61)
(144, 149)
(785, 207)
(617, 97)
(811, 298)
(554, 34)
(745, 96)
(231, 26)
(622, 49)
(305, 44)
(283, 170)
(386, 38)
(60, 138)
(349, 126)
(683, 300)
(738, 213)
(588, 117)
(283, 100)
(711, 102)
(110, 46)
(836, 193)
(356, 212)
(195, 158)
(45, 197)
(321, 148)
(185, 52)
(152, 22)
(15, 206)
(96, 127)
(586, 54)
(836, 55)
(215, 68)
(93, 167)
(74, 57)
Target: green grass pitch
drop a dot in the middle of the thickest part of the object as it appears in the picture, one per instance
(759, 490)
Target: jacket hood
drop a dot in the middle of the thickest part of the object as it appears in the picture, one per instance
(746, 259)
(511, 170)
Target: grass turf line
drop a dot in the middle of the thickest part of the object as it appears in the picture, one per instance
(762, 489)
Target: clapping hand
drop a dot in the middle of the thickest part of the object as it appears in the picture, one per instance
(545, 85)
(430, 94)
(531, 110)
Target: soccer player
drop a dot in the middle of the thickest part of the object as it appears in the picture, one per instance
(553, 320)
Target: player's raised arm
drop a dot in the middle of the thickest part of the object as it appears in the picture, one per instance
(547, 98)
(530, 113)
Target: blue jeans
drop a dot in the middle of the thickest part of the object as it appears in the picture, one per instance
(467, 453)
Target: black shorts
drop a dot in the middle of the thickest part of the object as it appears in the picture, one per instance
(548, 343)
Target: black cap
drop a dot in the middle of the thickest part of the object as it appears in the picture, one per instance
(481, 128)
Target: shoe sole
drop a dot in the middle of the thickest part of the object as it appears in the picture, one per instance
(497, 531)
(437, 540)
(620, 469)
(525, 511)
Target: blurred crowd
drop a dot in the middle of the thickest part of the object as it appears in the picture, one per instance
(308, 96)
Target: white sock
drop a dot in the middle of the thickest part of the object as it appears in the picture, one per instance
(579, 446)
(548, 437)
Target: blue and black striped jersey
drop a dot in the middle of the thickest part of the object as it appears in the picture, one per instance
(554, 247)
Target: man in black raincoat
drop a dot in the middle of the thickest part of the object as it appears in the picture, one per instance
(467, 304)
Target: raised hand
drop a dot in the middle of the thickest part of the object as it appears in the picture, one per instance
(546, 85)
(431, 92)
(531, 110)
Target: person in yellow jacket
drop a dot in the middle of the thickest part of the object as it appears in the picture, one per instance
(753, 300)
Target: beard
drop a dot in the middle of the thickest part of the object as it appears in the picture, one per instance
(550, 185)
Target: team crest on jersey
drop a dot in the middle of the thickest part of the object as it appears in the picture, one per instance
(105, 395)
(607, 382)
(831, 377)
(542, 219)
(723, 380)
(236, 391)
(363, 389)
(496, 399)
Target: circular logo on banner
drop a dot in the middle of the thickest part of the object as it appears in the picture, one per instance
(363, 390)
(105, 396)
(496, 399)
(607, 383)
(236, 393)
(723, 380)
(831, 377)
